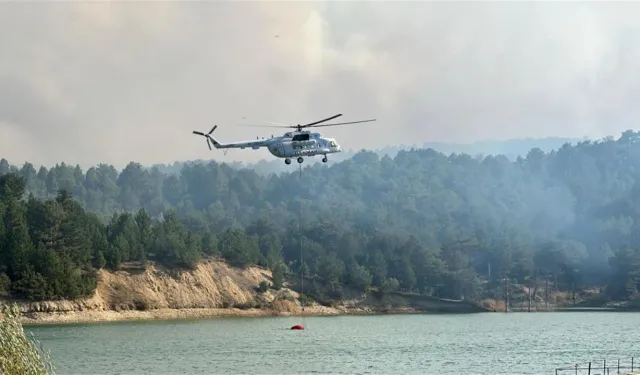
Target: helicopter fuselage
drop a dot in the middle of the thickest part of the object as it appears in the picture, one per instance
(297, 144)
(290, 145)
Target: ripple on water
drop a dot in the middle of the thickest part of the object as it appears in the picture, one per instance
(527, 344)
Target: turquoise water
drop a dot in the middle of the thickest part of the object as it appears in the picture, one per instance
(517, 343)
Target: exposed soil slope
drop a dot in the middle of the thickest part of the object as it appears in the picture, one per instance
(213, 288)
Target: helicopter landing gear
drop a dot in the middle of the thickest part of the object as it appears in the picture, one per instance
(300, 159)
(287, 161)
(324, 159)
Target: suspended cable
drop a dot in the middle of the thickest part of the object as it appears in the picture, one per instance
(301, 268)
(301, 258)
(301, 261)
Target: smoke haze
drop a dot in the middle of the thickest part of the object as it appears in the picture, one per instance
(110, 82)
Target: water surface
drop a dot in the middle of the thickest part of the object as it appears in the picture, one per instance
(488, 343)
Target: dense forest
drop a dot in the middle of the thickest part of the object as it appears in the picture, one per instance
(451, 226)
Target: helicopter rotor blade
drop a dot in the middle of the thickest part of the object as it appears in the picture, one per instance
(209, 144)
(277, 123)
(198, 133)
(318, 122)
(212, 129)
(310, 125)
(267, 126)
(344, 123)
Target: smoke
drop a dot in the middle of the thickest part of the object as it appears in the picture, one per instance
(109, 82)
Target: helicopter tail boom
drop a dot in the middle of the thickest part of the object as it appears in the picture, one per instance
(242, 144)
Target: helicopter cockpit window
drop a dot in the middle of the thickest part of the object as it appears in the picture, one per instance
(300, 137)
(332, 144)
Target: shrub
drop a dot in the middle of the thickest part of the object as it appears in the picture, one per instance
(18, 354)
(263, 287)
(305, 300)
(390, 285)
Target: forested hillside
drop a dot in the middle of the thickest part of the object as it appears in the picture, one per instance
(450, 226)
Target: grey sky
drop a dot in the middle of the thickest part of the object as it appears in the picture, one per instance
(90, 82)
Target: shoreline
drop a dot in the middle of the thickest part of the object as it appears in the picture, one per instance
(112, 316)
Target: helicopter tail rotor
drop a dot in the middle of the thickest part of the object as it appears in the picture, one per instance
(208, 136)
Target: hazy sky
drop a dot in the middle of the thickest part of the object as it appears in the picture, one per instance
(90, 82)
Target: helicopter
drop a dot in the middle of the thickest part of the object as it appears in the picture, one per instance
(296, 144)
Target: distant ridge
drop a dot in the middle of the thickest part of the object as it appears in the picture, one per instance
(511, 148)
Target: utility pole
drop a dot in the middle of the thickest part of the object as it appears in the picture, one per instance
(546, 291)
(506, 294)
(529, 307)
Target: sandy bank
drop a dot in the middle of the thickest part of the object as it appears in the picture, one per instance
(160, 314)
(74, 317)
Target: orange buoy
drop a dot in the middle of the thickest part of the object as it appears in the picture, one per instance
(298, 326)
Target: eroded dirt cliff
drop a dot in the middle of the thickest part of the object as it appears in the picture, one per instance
(213, 288)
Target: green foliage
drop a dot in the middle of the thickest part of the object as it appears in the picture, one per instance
(446, 225)
(5, 284)
(389, 285)
(18, 354)
(279, 273)
(305, 300)
(360, 277)
(262, 287)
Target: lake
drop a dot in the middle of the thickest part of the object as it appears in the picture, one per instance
(487, 343)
